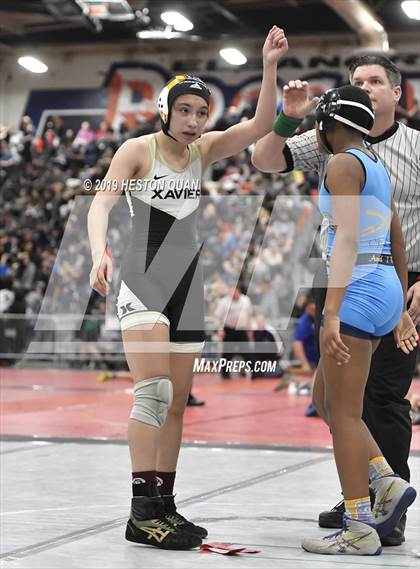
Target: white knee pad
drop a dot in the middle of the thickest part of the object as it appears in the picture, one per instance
(152, 399)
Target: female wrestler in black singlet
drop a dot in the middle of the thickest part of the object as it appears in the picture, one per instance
(160, 303)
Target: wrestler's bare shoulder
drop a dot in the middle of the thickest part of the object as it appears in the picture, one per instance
(135, 151)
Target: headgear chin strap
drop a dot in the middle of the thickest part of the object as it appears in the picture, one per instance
(349, 105)
(179, 85)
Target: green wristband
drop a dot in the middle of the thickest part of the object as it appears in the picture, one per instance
(285, 126)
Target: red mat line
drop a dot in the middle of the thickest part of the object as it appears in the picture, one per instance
(70, 403)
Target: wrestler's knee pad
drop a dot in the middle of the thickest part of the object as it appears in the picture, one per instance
(152, 399)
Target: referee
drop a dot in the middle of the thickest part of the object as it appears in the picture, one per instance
(386, 411)
(235, 312)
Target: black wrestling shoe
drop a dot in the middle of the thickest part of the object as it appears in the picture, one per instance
(178, 521)
(194, 402)
(334, 518)
(396, 537)
(148, 524)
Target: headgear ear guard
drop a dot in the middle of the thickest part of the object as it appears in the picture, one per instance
(349, 105)
(179, 85)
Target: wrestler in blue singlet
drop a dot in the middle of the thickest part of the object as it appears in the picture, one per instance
(373, 301)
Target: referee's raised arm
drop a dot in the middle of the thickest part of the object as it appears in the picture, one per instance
(268, 155)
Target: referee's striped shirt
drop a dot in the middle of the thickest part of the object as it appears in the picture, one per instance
(399, 150)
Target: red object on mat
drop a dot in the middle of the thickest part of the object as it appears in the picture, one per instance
(225, 548)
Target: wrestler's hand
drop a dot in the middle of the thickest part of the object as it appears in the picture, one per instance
(413, 294)
(275, 45)
(101, 275)
(405, 334)
(331, 343)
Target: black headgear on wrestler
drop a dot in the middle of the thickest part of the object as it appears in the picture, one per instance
(349, 105)
(179, 85)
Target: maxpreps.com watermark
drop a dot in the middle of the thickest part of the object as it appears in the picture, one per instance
(234, 366)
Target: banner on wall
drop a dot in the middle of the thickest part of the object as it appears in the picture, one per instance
(130, 92)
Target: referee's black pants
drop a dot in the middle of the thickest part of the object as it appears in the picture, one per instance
(239, 339)
(386, 412)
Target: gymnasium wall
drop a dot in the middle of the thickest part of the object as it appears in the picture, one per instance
(100, 82)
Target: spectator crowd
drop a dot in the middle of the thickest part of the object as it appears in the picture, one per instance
(258, 229)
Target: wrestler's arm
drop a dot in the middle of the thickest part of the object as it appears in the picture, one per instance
(345, 178)
(405, 332)
(398, 250)
(217, 145)
(125, 164)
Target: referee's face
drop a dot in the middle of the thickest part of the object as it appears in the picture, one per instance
(374, 80)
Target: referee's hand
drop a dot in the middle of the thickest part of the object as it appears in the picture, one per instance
(296, 99)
